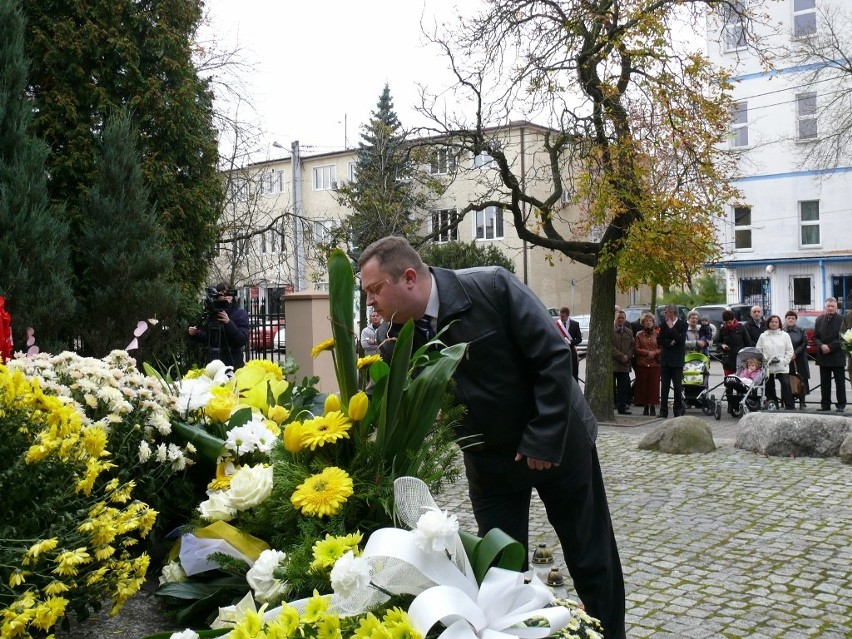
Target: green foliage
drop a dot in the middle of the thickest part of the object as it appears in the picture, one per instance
(126, 264)
(457, 255)
(35, 271)
(707, 291)
(91, 59)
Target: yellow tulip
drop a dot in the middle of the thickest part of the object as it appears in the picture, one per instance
(358, 406)
(293, 436)
(332, 403)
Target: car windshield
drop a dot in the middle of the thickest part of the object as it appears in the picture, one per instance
(806, 321)
(633, 314)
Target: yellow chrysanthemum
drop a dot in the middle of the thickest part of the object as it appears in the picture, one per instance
(293, 436)
(315, 608)
(327, 551)
(56, 588)
(327, 429)
(397, 622)
(369, 360)
(49, 612)
(328, 627)
(222, 481)
(267, 366)
(249, 625)
(94, 440)
(370, 628)
(68, 561)
(17, 577)
(278, 414)
(285, 624)
(323, 494)
(43, 546)
(325, 345)
(195, 373)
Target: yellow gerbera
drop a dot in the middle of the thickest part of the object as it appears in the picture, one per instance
(326, 429)
(368, 361)
(325, 345)
(323, 494)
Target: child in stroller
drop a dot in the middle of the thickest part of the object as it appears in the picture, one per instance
(745, 390)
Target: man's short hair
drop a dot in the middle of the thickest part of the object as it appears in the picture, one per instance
(394, 255)
(672, 308)
(727, 316)
(223, 287)
(565, 310)
(830, 299)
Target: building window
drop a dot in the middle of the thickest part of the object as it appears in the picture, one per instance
(351, 171)
(483, 161)
(324, 178)
(734, 31)
(802, 288)
(239, 189)
(804, 18)
(271, 182)
(489, 223)
(806, 111)
(809, 222)
(742, 227)
(756, 291)
(441, 220)
(321, 230)
(443, 161)
(739, 126)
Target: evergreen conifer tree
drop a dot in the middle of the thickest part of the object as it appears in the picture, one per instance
(35, 273)
(126, 263)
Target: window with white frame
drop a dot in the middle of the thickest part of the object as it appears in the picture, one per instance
(806, 112)
(271, 182)
(734, 31)
(742, 227)
(442, 220)
(801, 288)
(489, 223)
(239, 189)
(443, 161)
(325, 178)
(739, 125)
(483, 161)
(321, 229)
(351, 171)
(804, 18)
(809, 222)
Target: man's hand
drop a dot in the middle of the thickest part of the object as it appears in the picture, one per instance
(825, 349)
(223, 317)
(536, 464)
(193, 330)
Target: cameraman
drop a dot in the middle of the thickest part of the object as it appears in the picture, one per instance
(227, 329)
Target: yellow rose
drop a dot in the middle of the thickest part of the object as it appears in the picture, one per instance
(358, 406)
(219, 408)
(332, 403)
(278, 414)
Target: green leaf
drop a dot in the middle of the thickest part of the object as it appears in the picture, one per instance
(496, 548)
(241, 417)
(341, 297)
(201, 589)
(396, 382)
(209, 447)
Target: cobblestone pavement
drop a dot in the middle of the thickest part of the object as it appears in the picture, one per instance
(727, 544)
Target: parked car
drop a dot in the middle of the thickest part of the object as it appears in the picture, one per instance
(583, 321)
(261, 336)
(714, 313)
(807, 321)
(279, 342)
(634, 312)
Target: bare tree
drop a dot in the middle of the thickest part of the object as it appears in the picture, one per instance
(823, 100)
(620, 100)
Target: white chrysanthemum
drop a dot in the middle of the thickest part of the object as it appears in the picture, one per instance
(350, 575)
(217, 507)
(144, 451)
(160, 421)
(185, 634)
(436, 531)
(250, 437)
(176, 457)
(262, 578)
(162, 453)
(193, 394)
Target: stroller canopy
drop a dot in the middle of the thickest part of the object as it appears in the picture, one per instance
(749, 352)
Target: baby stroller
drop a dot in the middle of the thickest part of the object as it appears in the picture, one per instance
(696, 373)
(744, 397)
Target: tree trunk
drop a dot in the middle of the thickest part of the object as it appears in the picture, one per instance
(598, 357)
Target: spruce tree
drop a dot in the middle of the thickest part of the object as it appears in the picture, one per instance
(126, 263)
(35, 273)
(92, 58)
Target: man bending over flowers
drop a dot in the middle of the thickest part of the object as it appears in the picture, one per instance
(527, 424)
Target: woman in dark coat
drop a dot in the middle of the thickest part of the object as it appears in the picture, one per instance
(799, 364)
(733, 337)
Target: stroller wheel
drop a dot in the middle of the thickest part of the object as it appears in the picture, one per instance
(708, 406)
(771, 404)
(718, 412)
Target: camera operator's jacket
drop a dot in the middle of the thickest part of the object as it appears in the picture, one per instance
(515, 377)
(236, 336)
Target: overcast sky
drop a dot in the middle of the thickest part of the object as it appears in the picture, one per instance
(320, 67)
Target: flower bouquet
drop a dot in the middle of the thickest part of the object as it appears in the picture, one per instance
(430, 580)
(300, 482)
(846, 341)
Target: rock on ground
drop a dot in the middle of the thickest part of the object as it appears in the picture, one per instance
(793, 434)
(680, 436)
(846, 450)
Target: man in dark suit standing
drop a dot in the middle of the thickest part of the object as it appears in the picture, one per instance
(527, 424)
(830, 356)
(755, 324)
(570, 330)
(672, 342)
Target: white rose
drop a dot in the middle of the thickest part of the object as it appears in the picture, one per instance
(250, 486)
(172, 574)
(185, 634)
(350, 575)
(262, 579)
(217, 508)
(436, 531)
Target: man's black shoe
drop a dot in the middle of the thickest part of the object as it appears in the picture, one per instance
(840, 409)
(823, 409)
(627, 412)
(664, 414)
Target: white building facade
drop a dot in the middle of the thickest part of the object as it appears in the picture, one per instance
(788, 243)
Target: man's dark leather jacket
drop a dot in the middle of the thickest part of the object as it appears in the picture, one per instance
(515, 378)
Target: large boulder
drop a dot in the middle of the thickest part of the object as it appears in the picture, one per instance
(799, 434)
(680, 436)
(846, 450)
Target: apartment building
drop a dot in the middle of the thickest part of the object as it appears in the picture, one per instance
(293, 199)
(788, 243)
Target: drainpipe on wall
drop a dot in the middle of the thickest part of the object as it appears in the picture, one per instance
(523, 205)
(299, 246)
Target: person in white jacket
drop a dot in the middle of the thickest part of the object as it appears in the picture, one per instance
(777, 351)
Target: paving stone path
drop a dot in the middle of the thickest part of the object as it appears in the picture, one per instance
(728, 544)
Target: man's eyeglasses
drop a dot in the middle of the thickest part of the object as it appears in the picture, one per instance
(375, 288)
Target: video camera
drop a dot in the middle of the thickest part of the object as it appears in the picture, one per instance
(214, 302)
